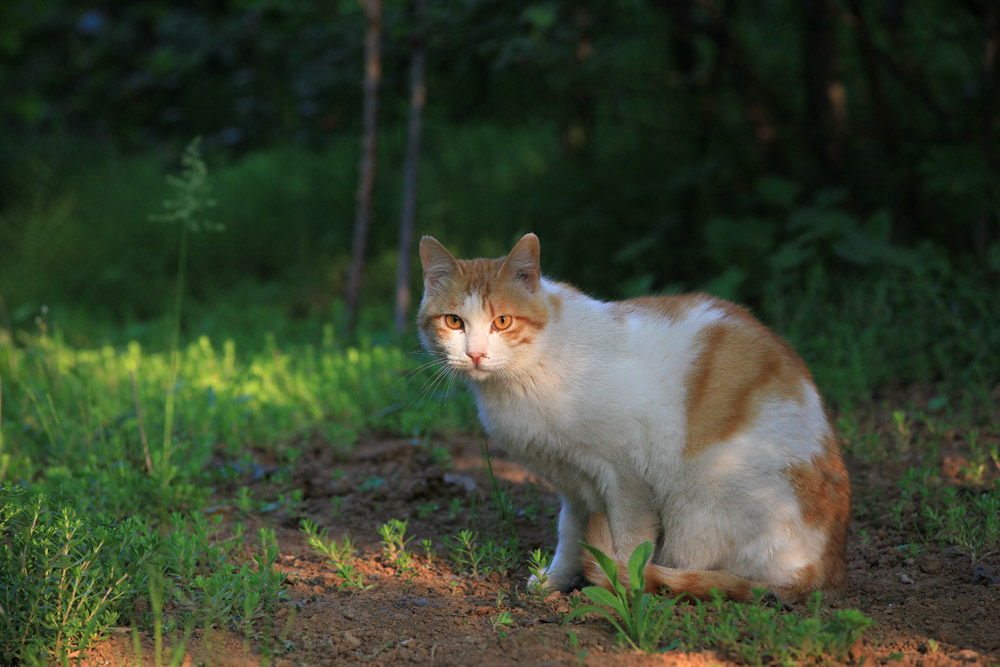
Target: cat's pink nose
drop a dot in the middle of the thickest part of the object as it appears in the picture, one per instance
(475, 356)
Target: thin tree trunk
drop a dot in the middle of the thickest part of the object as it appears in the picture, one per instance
(987, 126)
(578, 127)
(823, 122)
(884, 118)
(366, 166)
(418, 96)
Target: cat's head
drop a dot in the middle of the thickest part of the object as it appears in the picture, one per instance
(481, 316)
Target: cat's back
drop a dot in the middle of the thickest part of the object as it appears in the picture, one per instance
(732, 373)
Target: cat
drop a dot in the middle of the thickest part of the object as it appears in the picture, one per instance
(680, 420)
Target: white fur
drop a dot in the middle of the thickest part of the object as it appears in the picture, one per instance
(596, 406)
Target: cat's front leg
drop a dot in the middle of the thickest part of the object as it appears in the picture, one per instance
(565, 571)
(631, 518)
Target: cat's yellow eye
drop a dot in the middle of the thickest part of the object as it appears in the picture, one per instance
(502, 322)
(453, 321)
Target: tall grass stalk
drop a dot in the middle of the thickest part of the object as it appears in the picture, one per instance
(186, 209)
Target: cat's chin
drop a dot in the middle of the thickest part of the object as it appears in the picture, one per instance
(479, 374)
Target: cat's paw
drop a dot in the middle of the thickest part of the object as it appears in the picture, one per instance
(555, 581)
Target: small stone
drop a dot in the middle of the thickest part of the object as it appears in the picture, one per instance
(282, 613)
(349, 615)
(905, 578)
(350, 639)
(967, 655)
(930, 565)
(463, 481)
(317, 589)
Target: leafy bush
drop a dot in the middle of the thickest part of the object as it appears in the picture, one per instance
(64, 579)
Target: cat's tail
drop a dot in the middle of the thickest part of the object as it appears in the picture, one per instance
(695, 583)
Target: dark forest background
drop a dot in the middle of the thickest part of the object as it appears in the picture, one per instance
(776, 153)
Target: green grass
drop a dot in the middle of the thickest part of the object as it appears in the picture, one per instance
(78, 486)
(753, 633)
(114, 440)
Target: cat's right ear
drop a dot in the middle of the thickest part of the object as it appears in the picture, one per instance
(440, 266)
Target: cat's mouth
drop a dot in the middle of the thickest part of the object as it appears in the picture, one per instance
(478, 371)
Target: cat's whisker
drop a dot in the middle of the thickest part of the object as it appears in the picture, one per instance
(412, 373)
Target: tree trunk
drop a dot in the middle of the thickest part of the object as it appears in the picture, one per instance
(987, 127)
(577, 132)
(418, 96)
(825, 111)
(366, 165)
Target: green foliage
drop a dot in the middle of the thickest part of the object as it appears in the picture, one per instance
(637, 616)
(753, 633)
(538, 567)
(339, 554)
(964, 518)
(477, 557)
(64, 578)
(394, 540)
(218, 592)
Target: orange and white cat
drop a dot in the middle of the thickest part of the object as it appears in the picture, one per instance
(681, 419)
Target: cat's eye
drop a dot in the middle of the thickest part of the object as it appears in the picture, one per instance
(453, 321)
(502, 322)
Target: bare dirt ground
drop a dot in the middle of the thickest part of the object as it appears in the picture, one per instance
(434, 616)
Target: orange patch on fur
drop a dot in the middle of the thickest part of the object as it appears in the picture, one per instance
(823, 492)
(673, 307)
(741, 362)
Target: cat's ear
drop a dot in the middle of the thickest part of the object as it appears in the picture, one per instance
(439, 264)
(521, 264)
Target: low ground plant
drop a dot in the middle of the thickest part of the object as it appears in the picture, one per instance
(753, 633)
(64, 578)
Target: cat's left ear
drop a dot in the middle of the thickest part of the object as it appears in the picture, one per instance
(440, 266)
(522, 265)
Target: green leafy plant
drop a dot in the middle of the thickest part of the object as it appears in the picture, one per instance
(503, 620)
(637, 616)
(65, 579)
(465, 552)
(394, 540)
(538, 567)
(339, 554)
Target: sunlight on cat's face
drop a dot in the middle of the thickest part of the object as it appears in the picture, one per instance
(472, 339)
(480, 317)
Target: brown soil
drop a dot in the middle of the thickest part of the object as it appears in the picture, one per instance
(434, 616)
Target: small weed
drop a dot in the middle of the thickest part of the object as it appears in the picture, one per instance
(503, 620)
(244, 501)
(464, 552)
(581, 654)
(336, 503)
(394, 542)
(424, 510)
(637, 622)
(371, 483)
(429, 552)
(333, 551)
(538, 565)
